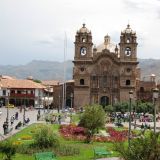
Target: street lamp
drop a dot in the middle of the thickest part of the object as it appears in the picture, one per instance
(155, 96)
(39, 110)
(48, 100)
(24, 114)
(130, 106)
(7, 119)
(59, 103)
(135, 110)
(71, 108)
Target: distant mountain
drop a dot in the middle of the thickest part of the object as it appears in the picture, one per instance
(42, 70)
(52, 70)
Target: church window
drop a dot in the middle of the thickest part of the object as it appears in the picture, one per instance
(128, 70)
(128, 40)
(83, 40)
(127, 51)
(82, 69)
(81, 81)
(141, 89)
(128, 82)
(116, 78)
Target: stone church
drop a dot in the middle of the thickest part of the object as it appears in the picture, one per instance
(104, 74)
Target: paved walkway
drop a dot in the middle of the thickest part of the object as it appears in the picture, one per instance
(31, 114)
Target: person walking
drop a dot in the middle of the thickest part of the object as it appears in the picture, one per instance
(5, 128)
(16, 115)
(59, 119)
(12, 120)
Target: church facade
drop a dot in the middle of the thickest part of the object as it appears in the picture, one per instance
(104, 74)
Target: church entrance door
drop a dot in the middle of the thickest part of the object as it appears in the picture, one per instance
(104, 101)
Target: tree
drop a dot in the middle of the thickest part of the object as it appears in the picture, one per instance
(141, 148)
(92, 119)
(108, 108)
(45, 138)
(8, 149)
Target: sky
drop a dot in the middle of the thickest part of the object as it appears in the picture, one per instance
(38, 29)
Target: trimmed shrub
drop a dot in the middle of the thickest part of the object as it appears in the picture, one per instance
(45, 138)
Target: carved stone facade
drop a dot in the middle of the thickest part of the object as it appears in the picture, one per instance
(104, 74)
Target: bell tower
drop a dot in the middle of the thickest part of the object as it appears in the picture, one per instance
(128, 62)
(82, 62)
(128, 45)
(83, 44)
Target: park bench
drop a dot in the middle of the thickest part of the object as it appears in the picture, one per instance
(101, 151)
(45, 156)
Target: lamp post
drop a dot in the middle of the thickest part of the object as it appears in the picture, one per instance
(39, 110)
(7, 119)
(130, 106)
(48, 100)
(155, 97)
(24, 113)
(59, 103)
(71, 108)
(136, 106)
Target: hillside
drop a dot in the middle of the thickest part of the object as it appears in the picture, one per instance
(49, 70)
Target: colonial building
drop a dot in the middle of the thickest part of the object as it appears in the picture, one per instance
(104, 74)
(20, 92)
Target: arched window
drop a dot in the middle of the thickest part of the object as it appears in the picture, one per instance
(83, 40)
(128, 40)
(141, 89)
(81, 81)
(128, 82)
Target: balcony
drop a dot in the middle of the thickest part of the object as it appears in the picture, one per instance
(20, 95)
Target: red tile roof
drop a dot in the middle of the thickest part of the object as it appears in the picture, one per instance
(20, 83)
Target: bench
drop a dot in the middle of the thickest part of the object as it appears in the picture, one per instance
(101, 151)
(45, 156)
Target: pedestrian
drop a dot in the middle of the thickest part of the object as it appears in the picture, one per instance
(16, 115)
(12, 120)
(5, 128)
(59, 119)
(20, 109)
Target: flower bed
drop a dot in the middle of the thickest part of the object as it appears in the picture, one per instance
(73, 132)
(26, 137)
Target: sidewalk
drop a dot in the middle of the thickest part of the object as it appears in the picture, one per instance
(32, 116)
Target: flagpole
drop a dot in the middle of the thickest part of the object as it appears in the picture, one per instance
(64, 72)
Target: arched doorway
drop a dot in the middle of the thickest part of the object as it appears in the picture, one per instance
(68, 103)
(104, 101)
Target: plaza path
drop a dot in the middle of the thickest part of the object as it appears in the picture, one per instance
(31, 114)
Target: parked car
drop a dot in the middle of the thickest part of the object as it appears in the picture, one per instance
(10, 106)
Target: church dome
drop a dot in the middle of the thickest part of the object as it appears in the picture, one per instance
(107, 44)
(128, 30)
(83, 29)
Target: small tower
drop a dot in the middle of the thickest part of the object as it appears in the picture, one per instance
(128, 45)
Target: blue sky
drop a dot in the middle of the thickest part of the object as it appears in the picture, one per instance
(35, 29)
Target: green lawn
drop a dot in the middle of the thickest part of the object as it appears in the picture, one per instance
(86, 150)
